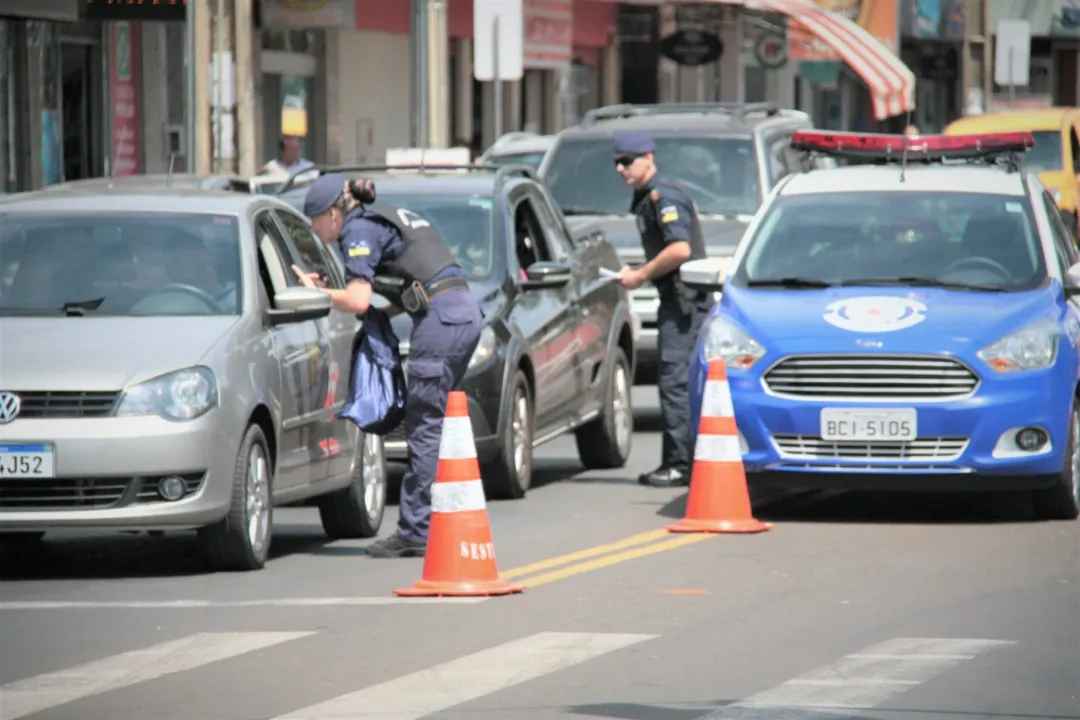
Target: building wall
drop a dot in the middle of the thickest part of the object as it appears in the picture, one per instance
(373, 95)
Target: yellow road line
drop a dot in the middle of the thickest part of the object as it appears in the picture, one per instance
(631, 541)
(614, 559)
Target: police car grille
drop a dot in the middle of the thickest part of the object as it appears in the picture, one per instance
(810, 447)
(871, 377)
(66, 404)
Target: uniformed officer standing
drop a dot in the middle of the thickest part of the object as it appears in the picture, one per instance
(670, 235)
(394, 243)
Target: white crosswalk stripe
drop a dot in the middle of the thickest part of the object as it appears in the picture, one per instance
(859, 681)
(32, 695)
(423, 693)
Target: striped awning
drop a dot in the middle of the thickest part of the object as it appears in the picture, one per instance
(891, 83)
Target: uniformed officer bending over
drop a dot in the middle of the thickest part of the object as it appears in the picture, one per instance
(417, 273)
(670, 235)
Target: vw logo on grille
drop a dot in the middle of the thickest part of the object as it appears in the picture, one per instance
(10, 404)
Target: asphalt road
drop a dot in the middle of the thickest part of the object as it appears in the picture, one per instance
(852, 606)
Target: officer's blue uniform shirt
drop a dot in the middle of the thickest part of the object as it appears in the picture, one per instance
(365, 240)
(364, 245)
(668, 209)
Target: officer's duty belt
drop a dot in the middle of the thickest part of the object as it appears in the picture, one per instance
(445, 285)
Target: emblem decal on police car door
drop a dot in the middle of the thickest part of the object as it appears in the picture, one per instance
(875, 314)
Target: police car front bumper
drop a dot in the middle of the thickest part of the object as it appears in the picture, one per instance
(969, 443)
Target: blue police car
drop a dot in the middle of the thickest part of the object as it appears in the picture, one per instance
(907, 321)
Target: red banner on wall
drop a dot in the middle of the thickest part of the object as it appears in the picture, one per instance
(549, 33)
(123, 97)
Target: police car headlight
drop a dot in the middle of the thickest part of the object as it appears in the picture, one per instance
(485, 349)
(1030, 348)
(181, 395)
(727, 342)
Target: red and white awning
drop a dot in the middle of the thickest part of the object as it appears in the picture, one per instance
(891, 83)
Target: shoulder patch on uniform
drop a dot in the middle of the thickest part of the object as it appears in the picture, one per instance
(669, 214)
(359, 251)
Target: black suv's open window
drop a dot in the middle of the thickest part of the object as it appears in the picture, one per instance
(721, 174)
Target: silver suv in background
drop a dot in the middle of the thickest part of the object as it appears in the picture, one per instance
(518, 148)
(728, 156)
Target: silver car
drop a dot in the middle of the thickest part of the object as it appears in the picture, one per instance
(162, 368)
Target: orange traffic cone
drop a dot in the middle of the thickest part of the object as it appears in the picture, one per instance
(719, 500)
(460, 557)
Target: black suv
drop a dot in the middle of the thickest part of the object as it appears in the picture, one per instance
(557, 351)
(727, 155)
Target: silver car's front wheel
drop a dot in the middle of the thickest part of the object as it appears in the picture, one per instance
(356, 511)
(241, 541)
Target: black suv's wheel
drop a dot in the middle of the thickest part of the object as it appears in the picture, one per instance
(605, 442)
(508, 476)
(1061, 501)
(357, 510)
(241, 541)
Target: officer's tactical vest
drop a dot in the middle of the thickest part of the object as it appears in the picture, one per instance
(652, 237)
(425, 253)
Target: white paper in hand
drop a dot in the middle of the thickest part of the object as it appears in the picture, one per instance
(605, 272)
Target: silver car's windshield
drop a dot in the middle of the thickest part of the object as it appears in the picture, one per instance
(721, 174)
(126, 264)
(961, 240)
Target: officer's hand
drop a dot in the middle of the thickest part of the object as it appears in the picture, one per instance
(630, 277)
(312, 281)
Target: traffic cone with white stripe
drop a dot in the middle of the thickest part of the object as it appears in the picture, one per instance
(719, 499)
(460, 556)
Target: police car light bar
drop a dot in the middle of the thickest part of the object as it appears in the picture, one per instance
(917, 147)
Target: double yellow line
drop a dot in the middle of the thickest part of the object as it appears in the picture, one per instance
(600, 556)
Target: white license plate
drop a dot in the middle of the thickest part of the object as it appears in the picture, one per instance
(840, 424)
(31, 460)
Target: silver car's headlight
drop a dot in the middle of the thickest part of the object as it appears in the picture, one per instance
(1030, 348)
(485, 349)
(726, 341)
(181, 395)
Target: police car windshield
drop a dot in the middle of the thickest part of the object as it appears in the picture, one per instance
(119, 264)
(465, 224)
(957, 240)
(721, 174)
(1046, 155)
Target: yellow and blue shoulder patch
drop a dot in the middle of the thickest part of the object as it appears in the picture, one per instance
(669, 214)
(359, 251)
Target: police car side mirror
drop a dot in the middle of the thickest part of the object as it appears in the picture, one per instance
(705, 275)
(1072, 280)
(298, 304)
(546, 274)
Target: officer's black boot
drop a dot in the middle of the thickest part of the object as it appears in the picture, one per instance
(395, 547)
(666, 477)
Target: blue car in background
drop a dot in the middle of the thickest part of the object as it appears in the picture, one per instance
(908, 327)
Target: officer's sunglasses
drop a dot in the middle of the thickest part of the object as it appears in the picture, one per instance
(625, 160)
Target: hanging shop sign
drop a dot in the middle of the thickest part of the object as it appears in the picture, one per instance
(770, 50)
(692, 47)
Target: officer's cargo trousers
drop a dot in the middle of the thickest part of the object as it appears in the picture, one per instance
(440, 347)
(677, 335)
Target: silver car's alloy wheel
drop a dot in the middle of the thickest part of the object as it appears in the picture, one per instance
(374, 476)
(521, 434)
(257, 510)
(622, 411)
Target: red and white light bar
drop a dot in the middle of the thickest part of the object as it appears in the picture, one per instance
(937, 147)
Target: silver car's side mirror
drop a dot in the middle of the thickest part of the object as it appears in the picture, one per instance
(298, 304)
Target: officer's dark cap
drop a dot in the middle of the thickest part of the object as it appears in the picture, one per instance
(323, 193)
(633, 143)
